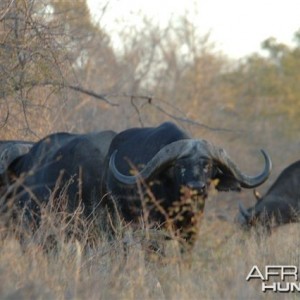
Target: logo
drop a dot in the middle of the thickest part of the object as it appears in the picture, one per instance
(276, 278)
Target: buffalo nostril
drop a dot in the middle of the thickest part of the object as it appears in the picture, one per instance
(197, 186)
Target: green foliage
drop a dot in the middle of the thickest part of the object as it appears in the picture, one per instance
(271, 83)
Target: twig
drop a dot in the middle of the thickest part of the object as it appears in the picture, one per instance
(177, 118)
(137, 111)
(73, 87)
(7, 10)
(187, 120)
(6, 117)
(91, 93)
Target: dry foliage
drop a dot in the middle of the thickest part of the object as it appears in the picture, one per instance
(127, 268)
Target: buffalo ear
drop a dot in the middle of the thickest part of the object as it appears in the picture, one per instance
(13, 167)
(226, 180)
(5, 174)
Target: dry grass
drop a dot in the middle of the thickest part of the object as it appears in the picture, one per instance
(126, 268)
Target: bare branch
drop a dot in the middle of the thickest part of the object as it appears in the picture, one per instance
(77, 88)
(137, 111)
(6, 116)
(190, 121)
(172, 116)
(7, 10)
(91, 93)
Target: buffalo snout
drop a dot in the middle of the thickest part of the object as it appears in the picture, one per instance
(197, 187)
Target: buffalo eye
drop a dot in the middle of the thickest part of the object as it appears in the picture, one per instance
(182, 171)
(206, 169)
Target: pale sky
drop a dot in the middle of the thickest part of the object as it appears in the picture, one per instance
(237, 27)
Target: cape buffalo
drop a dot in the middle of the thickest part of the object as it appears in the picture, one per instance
(162, 175)
(60, 162)
(280, 204)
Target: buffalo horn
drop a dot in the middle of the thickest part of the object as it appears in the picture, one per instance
(9, 154)
(246, 181)
(243, 211)
(162, 158)
(194, 149)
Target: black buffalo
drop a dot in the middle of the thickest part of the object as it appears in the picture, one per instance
(172, 176)
(60, 163)
(280, 204)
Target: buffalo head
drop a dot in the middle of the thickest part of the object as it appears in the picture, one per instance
(269, 212)
(279, 205)
(193, 163)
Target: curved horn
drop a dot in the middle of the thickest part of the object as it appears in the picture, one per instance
(246, 181)
(165, 156)
(12, 152)
(244, 212)
(197, 148)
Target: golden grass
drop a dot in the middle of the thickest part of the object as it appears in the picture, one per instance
(125, 268)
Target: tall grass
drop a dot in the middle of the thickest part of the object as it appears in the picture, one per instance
(126, 267)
